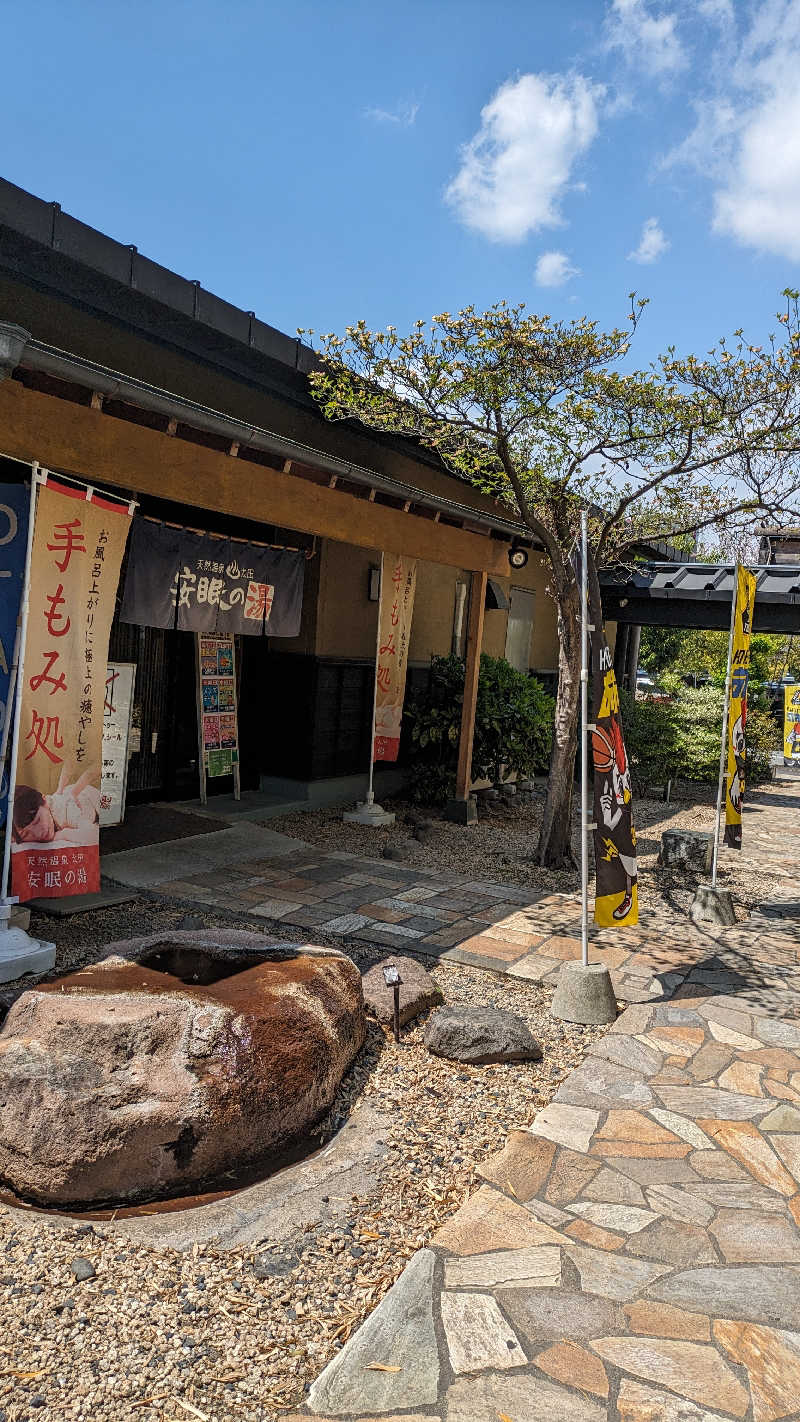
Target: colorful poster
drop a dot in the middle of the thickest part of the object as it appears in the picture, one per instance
(14, 504)
(396, 608)
(219, 584)
(616, 902)
(737, 705)
(78, 542)
(218, 708)
(791, 723)
(117, 712)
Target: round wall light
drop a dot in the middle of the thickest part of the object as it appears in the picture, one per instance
(517, 554)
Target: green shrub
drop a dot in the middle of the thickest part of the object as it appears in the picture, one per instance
(682, 738)
(513, 727)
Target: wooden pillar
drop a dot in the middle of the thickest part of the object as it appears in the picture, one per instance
(632, 659)
(460, 806)
(621, 652)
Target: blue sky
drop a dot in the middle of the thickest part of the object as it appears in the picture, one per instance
(323, 160)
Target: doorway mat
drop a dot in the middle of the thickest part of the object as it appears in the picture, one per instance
(155, 824)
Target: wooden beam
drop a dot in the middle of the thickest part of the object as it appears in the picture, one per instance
(472, 670)
(118, 453)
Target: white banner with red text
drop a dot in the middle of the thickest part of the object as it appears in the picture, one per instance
(78, 542)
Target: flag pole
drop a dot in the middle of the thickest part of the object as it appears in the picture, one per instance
(723, 757)
(19, 668)
(370, 791)
(584, 742)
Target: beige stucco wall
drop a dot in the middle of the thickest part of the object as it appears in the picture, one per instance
(346, 618)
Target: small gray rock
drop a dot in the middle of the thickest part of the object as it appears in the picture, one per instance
(418, 990)
(397, 851)
(687, 849)
(274, 1263)
(82, 1269)
(480, 1035)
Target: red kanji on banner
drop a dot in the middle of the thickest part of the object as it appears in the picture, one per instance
(41, 729)
(66, 542)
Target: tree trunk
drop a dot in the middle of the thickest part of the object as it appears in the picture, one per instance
(554, 850)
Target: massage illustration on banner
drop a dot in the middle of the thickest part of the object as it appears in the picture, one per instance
(78, 543)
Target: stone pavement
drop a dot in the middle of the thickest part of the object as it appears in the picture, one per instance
(635, 1254)
(500, 927)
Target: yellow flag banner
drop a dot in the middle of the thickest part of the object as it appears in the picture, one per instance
(78, 542)
(791, 723)
(737, 705)
(394, 620)
(616, 895)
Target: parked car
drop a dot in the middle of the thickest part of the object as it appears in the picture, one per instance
(647, 689)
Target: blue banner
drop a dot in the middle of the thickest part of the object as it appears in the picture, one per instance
(14, 504)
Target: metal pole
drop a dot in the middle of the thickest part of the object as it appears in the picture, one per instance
(723, 755)
(584, 742)
(23, 634)
(370, 791)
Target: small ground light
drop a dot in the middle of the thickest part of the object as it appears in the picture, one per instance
(393, 980)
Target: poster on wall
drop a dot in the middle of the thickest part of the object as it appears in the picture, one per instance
(737, 705)
(78, 542)
(217, 710)
(117, 712)
(791, 724)
(200, 583)
(14, 505)
(398, 583)
(616, 901)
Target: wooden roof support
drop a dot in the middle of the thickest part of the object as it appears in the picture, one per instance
(118, 453)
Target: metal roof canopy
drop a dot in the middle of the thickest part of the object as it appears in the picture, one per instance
(699, 595)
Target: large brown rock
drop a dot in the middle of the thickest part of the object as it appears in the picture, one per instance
(176, 1060)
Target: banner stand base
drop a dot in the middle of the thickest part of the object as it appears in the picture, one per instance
(19, 953)
(367, 812)
(584, 993)
(712, 905)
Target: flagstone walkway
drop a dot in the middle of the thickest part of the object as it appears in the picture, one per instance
(635, 1254)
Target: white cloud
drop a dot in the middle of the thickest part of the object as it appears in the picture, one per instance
(516, 170)
(404, 115)
(652, 243)
(649, 42)
(745, 136)
(554, 268)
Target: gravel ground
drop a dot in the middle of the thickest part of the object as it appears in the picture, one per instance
(209, 1334)
(502, 844)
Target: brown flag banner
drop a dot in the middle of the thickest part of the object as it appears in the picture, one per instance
(398, 583)
(616, 902)
(78, 542)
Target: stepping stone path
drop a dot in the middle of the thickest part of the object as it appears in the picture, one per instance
(635, 1254)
